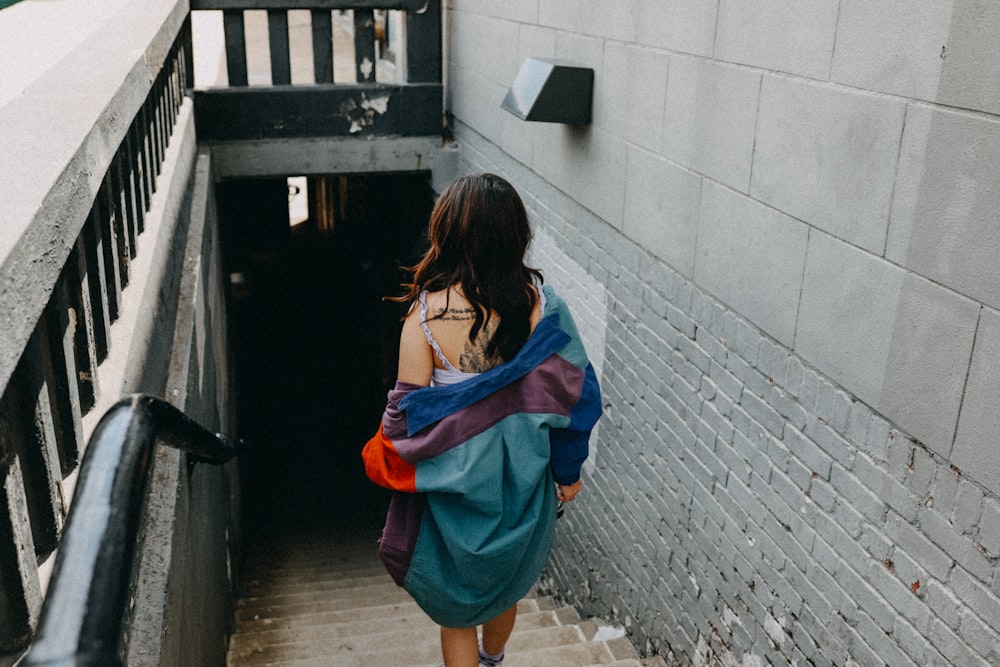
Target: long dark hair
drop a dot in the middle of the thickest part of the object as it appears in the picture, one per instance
(478, 235)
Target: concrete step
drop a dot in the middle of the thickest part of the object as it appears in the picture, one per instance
(349, 625)
(308, 603)
(366, 591)
(317, 568)
(396, 641)
(429, 655)
(291, 583)
(404, 608)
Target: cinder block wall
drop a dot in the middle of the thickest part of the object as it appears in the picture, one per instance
(780, 236)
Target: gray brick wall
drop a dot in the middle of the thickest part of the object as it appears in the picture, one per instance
(741, 505)
(779, 233)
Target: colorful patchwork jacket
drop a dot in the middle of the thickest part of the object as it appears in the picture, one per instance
(474, 465)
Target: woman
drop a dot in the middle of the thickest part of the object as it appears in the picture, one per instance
(487, 426)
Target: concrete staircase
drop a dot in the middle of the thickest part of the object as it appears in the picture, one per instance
(311, 600)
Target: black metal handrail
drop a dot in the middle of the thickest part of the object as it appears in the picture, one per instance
(81, 619)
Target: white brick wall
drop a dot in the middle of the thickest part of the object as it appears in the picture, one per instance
(789, 212)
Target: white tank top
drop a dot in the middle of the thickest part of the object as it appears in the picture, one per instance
(449, 374)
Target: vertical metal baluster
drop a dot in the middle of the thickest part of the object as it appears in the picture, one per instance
(175, 84)
(109, 248)
(322, 41)
(20, 589)
(148, 155)
(92, 265)
(277, 34)
(81, 313)
(364, 45)
(423, 45)
(116, 187)
(156, 96)
(30, 423)
(57, 330)
(126, 178)
(166, 114)
(136, 160)
(236, 46)
(187, 62)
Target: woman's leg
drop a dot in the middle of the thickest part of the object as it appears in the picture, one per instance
(460, 647)
(497, 631)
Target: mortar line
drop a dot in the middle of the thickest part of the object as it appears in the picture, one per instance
(895, 182)
(965, 384)
(802, 288)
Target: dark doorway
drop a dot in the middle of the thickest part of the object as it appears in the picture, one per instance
(314, 343)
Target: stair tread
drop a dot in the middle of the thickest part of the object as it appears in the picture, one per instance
(352, 627)
(583, 653)
(350, 613)
(331, 579)
(380, 587)
(316, 601)
(399, 638)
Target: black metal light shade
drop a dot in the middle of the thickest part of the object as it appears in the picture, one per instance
(551, 91)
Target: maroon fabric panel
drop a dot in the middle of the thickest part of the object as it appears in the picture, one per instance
(399, 536)
(551, 388)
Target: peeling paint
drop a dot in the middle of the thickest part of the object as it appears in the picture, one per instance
(363, 115)
(366, 68)
(775, 629)
(378, 104)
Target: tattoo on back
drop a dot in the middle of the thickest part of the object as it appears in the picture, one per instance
(457, 314)
(474, 358)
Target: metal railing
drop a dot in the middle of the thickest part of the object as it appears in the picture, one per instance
(81, 619)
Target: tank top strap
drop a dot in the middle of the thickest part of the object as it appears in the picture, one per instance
(427, 332)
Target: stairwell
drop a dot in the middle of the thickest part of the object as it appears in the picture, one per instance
(312, 389)
(324, 599)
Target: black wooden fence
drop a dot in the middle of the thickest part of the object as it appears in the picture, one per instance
(325, 107)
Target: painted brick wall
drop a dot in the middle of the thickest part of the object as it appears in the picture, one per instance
(781, 232)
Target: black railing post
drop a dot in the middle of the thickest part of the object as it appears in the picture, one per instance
(423, 44)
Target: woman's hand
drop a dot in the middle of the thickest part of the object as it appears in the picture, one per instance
(567, 493)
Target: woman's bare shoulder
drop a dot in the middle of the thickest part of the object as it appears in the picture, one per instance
(415, 357)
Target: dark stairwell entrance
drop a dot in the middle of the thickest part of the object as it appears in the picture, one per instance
(315, 344)
(315, 350)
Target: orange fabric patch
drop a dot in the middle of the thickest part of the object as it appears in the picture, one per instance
(386, 467)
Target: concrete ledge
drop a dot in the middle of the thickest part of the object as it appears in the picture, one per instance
(62, 132)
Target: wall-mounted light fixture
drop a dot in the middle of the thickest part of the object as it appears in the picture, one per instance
(551, 91)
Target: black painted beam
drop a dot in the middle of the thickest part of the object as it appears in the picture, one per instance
(413, 5)
(324, 110)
